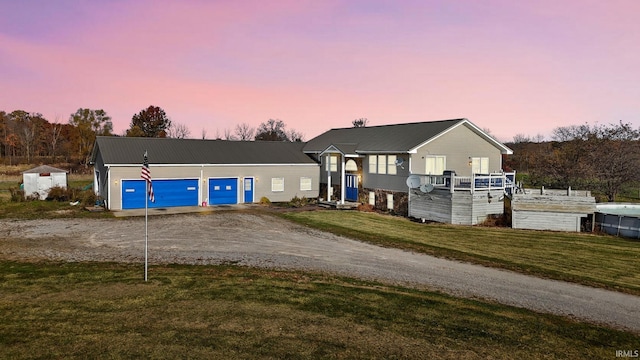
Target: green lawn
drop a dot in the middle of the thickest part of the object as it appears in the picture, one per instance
(101, 310)
(595, 260)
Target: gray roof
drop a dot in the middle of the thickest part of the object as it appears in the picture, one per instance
(398, 138)
(130, 150)
(43, 169)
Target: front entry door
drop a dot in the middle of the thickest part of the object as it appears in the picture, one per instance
(248, 190)
(351, 187)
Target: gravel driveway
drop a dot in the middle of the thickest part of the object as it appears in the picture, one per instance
(261, 240)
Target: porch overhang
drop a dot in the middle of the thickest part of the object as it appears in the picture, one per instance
(345, 151)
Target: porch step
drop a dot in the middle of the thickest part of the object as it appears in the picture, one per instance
(335, 205)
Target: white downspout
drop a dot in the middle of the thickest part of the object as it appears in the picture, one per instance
(201, 185)
(342, 180)
(108, 187)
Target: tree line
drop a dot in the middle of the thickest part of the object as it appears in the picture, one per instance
(602, 158)
(27, 136)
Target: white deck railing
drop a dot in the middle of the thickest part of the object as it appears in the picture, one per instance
(477, 182)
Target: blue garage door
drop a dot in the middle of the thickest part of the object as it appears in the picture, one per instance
(223, 191)
(167, 192)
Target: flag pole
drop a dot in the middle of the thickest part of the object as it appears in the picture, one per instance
(146, 219)
(146, 175)
(146, 231)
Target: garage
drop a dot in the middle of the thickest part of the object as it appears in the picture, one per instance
(195, 172)
(167, 192)
(223, 191)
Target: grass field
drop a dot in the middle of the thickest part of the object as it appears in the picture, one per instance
(595, 260)
(73, 310)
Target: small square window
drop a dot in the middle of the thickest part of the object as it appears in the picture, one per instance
(305, 184)
(332, 163)
(277, 184)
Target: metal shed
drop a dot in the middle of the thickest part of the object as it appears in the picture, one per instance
(42, 178)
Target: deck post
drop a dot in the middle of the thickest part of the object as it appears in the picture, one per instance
(452, 182)
(328, 177)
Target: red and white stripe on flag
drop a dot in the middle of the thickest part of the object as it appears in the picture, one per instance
(146, 175)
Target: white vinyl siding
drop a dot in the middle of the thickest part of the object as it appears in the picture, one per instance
(435, 165)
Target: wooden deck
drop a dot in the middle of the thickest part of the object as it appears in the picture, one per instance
(464, 200)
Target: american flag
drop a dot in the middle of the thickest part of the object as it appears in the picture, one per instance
(146, 175)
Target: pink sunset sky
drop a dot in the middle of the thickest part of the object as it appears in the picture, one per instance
(513, 67)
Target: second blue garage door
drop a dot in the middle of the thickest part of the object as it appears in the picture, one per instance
(223, 191)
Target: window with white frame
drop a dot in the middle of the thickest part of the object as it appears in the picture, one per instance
(373, 164)
(382, 164)
(435, 165)
(332, 163)
(277, 184)
(479, 165)
(391, 165)
(305, 184)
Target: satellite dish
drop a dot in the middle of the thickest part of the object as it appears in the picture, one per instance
(426, 188)
(413, 181)
(399, 161)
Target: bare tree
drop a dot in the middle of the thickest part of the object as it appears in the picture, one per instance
(598, 157)
(245, 132)
(56, 129)
(178, 131)
(361, 122)
(538, 138)
(295, 136)
(521, 138)
(228, 135)
(272, 130)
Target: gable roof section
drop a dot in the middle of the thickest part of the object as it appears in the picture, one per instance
(398, 138)
(43, 169)
(130, 150)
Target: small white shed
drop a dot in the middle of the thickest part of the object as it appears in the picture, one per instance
(42, 178)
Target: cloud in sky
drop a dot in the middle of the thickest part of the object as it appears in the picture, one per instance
(511, 67)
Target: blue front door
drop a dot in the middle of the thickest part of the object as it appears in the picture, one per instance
(248, 190)
(351, 187)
